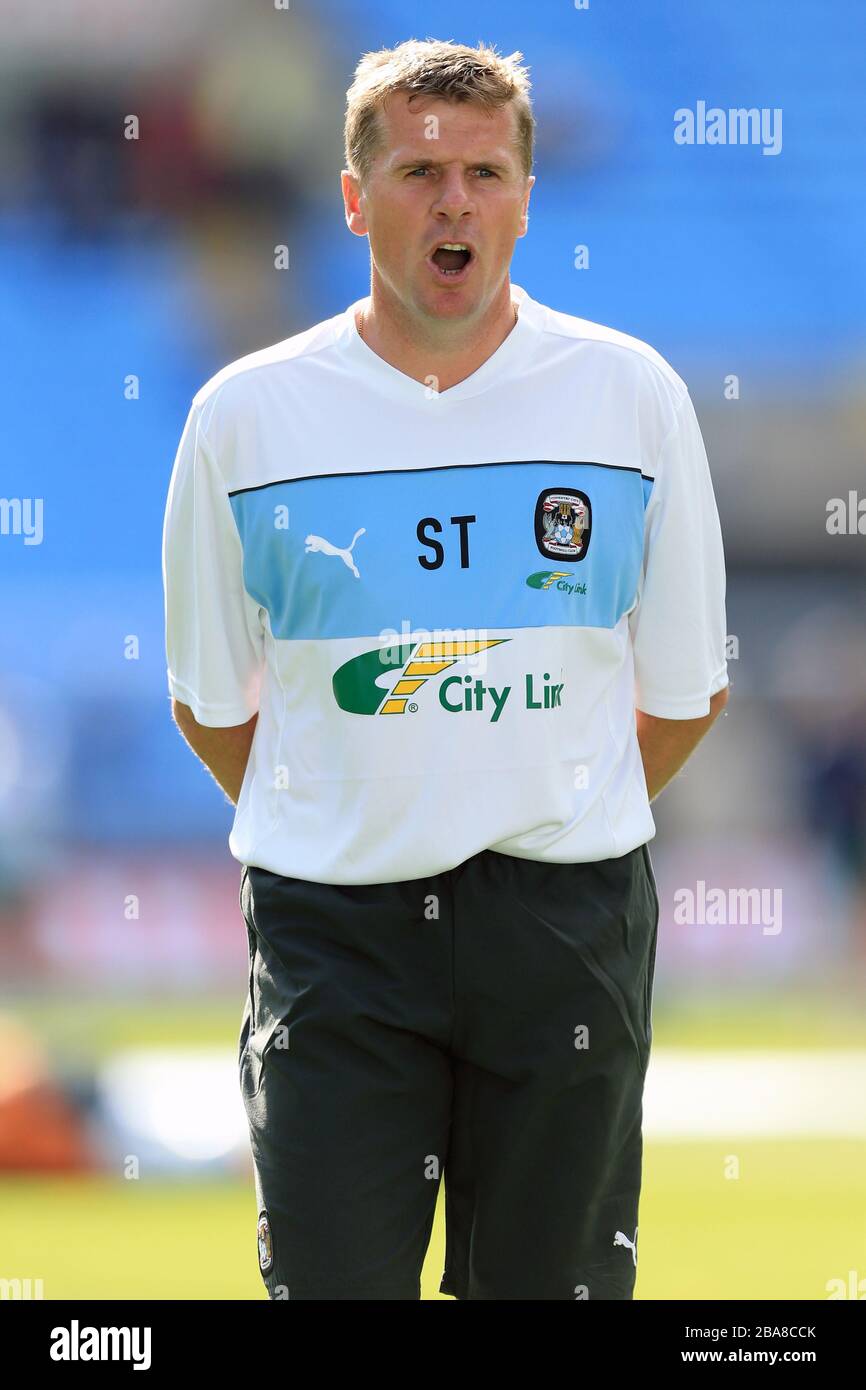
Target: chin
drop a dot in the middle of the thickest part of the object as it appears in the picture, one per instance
(451, 304)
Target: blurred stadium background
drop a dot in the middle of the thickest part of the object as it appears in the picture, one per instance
(131, 270)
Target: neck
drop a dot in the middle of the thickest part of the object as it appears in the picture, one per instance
(446, 351)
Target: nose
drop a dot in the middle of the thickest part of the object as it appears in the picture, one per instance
(453, 198)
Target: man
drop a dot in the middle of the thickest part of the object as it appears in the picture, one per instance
(445, 611)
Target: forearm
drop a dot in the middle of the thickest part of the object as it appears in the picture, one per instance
(224, 752)
(667, 744)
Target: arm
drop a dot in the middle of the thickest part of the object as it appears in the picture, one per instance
(214, 639)
(667, 744)
(224, 752)
(678, 626)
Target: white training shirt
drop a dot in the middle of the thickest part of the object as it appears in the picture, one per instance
(444, 607)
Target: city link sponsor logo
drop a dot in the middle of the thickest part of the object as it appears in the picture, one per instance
(559, 579)
(357, 691)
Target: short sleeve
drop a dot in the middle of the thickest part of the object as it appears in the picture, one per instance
(678, 624)
(214, 640)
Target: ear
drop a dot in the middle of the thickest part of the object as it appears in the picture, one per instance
(524, 212)
(353, 200)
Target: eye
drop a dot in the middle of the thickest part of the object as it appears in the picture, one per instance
(484, 170)
(420, 170)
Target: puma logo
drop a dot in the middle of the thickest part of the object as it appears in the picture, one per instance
(319, 543)
(620, 1239)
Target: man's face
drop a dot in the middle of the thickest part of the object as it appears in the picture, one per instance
(444, 172)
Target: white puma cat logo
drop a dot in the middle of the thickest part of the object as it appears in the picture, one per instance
(620, 1239)
(319, 543)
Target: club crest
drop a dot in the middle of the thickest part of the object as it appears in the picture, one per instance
(266, 1246)
(563, 524)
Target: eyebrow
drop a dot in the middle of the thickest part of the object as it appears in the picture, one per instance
(426, 163)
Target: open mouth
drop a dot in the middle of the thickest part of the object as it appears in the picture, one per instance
(452, 258)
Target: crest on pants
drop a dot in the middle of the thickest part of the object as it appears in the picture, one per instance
(265, 1243)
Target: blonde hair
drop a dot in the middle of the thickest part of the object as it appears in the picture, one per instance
(434, 68)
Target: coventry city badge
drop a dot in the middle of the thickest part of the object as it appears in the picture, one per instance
(563, 524)
(266, 1248)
